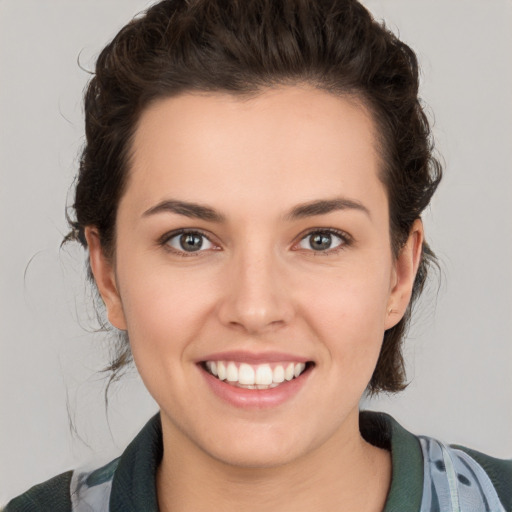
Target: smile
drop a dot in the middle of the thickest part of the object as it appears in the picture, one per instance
(254, 376)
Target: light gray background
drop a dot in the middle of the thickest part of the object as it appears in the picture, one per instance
(459, 355)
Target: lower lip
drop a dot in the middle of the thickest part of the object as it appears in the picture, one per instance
(256, 398)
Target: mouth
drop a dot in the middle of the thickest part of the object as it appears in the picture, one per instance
(256, 376)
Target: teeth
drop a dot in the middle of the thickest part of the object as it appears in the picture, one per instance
(299, 368)
(278, 375)
(212, 366)
(264, 375)
(221, 370)
(260, 376)
(246, 374)
(232, 372)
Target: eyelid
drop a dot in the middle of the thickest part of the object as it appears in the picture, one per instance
(164, 241)
(343, 235)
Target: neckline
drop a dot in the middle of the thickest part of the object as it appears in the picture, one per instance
(134, 482)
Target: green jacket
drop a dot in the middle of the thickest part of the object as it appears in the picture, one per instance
(428, 476)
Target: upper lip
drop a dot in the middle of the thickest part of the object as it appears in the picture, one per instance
(254, 357)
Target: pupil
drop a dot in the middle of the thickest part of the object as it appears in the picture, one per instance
(191, 242)
(321, 241)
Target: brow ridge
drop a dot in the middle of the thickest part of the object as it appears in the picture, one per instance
(325, 206)
(309, 209)
(192, 210)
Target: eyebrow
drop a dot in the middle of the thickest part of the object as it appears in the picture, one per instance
(192, 210)
(324, 206)
(202, 212)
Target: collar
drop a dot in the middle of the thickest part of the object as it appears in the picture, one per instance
(382, 430)
(134, 482)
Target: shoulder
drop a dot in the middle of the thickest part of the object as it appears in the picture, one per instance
(127, 482)
(50, 496)
(77, 491)
(464, 479)
(488, 472)
(437, 476)
(473, 476)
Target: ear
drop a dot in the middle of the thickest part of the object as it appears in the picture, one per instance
(104, 275)
(406, 267)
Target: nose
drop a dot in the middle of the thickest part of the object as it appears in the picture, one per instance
(255, 298)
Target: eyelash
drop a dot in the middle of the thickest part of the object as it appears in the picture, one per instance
(165, 239)
(346, 241)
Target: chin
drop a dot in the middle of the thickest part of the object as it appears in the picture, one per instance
(263, 445)
(257, 456)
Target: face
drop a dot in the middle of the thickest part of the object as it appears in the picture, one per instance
(253, 270)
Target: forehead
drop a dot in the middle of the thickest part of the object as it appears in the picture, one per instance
(291, 144)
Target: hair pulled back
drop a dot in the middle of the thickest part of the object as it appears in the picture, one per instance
(242, 47)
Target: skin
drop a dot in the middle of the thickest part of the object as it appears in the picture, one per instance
(259, 286)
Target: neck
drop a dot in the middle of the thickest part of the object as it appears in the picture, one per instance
(344, 474)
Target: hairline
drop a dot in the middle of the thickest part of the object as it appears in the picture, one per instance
(356, 96)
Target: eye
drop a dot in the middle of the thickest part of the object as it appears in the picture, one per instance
(189, 241)
(322, 241)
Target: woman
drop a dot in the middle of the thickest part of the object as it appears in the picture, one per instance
(250, 195)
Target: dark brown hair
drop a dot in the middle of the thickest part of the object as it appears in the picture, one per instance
(242, 47)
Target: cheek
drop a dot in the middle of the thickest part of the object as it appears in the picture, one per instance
(164, 315)
(349, 310)
(163, 309)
